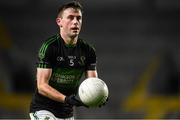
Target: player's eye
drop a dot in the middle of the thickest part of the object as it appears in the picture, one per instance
(70, 17)
(79, 18)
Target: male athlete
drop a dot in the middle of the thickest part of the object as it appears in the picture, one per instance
(62, 60)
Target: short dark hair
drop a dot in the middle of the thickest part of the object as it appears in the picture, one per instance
(72, 4)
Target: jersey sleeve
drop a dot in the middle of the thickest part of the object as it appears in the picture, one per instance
(44, 57)
(91, 59)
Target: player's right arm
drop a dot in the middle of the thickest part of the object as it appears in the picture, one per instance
(44, 71)
(43, 76)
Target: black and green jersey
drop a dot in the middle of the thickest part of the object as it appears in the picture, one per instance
(68, 63)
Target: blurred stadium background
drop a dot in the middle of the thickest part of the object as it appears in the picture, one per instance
(138, 49)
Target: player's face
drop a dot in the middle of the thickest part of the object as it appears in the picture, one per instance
(70, 22)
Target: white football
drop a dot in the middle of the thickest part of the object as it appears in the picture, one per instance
(93, 92)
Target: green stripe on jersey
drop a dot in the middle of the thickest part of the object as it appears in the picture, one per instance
(44, 47)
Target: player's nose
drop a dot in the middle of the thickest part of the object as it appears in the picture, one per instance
(75, 21)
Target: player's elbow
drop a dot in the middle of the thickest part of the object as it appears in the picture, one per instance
(41, 89)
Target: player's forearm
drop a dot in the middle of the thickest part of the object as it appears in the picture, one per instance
(91, 73)
(51, 93)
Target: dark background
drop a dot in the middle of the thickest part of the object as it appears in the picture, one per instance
(137, 44)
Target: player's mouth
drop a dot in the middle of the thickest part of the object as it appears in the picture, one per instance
(75, 28)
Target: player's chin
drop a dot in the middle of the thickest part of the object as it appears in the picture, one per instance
(74, 34)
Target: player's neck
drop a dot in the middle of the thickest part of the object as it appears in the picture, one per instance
(69, 40)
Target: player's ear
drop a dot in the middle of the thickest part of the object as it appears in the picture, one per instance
(58, 21)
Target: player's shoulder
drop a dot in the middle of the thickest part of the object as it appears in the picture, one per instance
(51, 39)
(86, 44)
(48, 43)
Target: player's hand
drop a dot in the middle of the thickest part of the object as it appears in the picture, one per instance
(104, 102)
(74, 101)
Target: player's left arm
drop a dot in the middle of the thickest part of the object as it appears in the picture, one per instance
(91, 70)
(91, 73)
